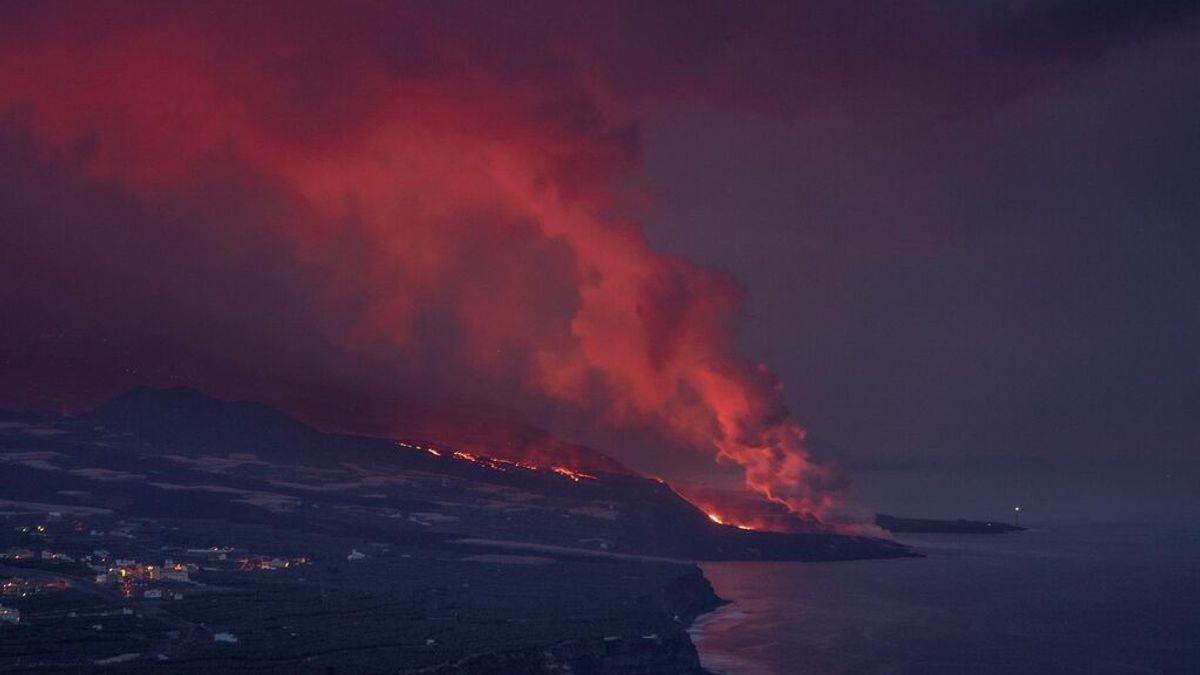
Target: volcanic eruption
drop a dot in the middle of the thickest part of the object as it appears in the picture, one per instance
(370, 198)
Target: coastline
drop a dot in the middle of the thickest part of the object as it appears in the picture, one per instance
(972, 604)
(701, 625)
(717, 664)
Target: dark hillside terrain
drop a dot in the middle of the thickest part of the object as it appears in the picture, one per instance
(413, 553)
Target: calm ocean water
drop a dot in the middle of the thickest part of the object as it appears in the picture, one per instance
(1112, 599)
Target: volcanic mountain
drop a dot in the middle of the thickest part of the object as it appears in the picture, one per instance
(179, 452)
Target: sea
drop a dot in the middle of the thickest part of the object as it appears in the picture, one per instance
(1090, 599)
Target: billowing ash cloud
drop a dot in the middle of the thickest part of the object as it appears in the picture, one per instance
(396, 198)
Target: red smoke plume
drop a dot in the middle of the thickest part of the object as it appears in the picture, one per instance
(430, 193)
(753, 512)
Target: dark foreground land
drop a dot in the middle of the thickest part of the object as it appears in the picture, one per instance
(398, 609)
(169, 532)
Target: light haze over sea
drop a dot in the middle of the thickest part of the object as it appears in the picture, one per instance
(1115, 599)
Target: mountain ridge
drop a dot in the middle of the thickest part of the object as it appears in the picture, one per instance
(180, 446)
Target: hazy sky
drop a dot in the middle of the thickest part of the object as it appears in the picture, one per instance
(1002, 304)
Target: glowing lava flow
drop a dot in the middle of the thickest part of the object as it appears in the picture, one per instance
(497, 464)
(717, 519)
(573, 475)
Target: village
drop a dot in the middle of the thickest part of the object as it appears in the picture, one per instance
(57, 555)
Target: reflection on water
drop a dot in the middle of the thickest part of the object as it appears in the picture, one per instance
(1079, 600)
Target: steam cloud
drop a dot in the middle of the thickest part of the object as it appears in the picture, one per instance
(395, 192)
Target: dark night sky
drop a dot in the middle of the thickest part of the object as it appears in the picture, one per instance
(962, 235)
(1002, 305)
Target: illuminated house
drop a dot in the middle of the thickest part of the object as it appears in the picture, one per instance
(176, 572)
(10, 614)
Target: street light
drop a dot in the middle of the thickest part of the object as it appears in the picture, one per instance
(1017, 516)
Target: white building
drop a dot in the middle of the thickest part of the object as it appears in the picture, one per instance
(19, 554)
(227, 638)
(10, 614)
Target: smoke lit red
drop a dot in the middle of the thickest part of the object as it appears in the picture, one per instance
(749, 511)
(424, 209)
